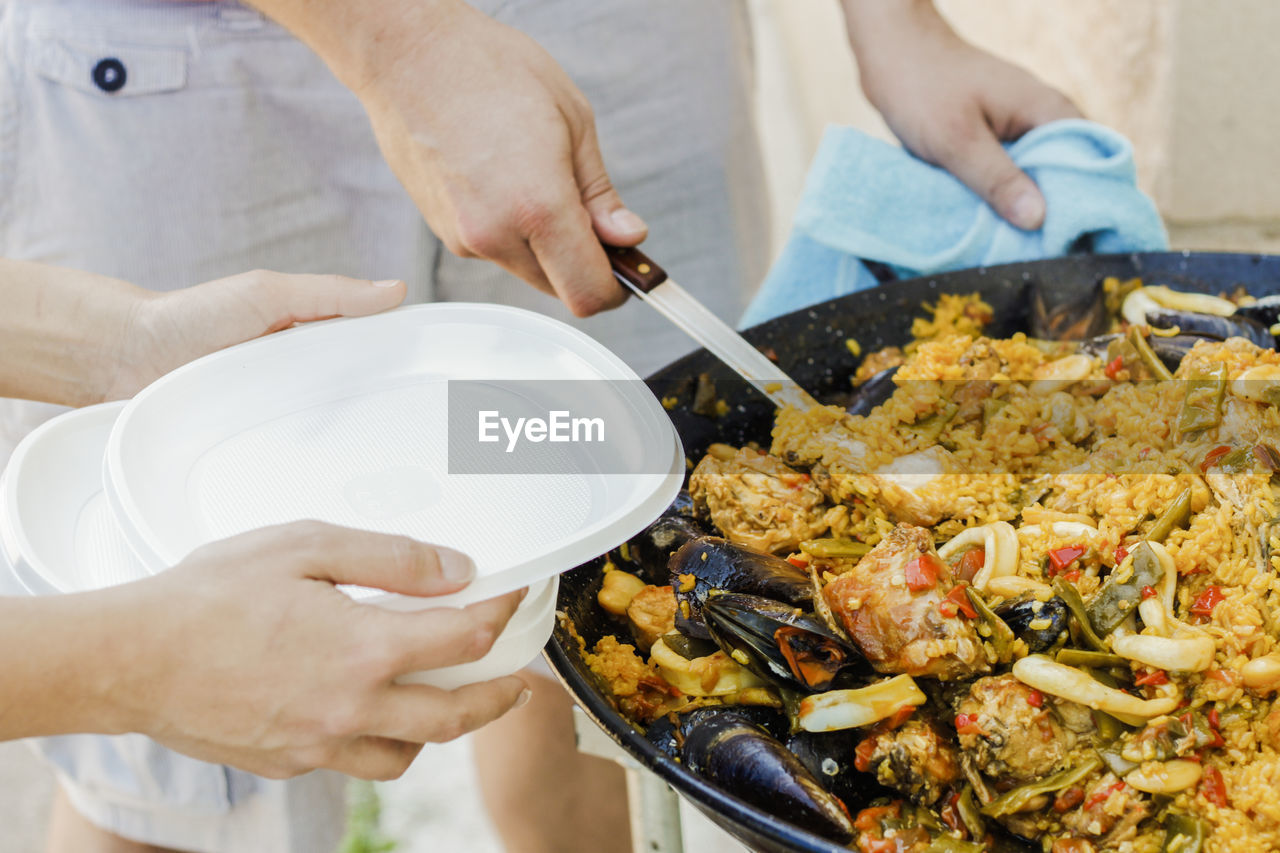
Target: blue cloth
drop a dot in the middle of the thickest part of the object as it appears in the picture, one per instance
(867, 200)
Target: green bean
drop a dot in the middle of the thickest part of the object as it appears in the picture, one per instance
(950, 844)
(834, 548)
(1002, 636)
(1071, 597)
(1178, 514)
(1183, 834)
(1019, 798)
(970, 815)
(1116, 762)
(1202, 405)
(1083, 657)
(1122, 591)
(1238, 460)
(1107, 729)
(932, 426)
(1149, 358)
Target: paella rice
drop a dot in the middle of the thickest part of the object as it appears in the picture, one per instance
(1032, 594)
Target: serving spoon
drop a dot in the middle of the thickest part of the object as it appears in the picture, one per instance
(650, 282)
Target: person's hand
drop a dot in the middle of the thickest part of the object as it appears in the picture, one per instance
(248, 656)
(76, 338)
(498, 149)
(163, 331)
(951, 103)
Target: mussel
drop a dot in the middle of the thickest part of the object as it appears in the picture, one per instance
(1042, 625)
(777, 641)
(725, 746)
(873, 392)
(831, 757)
(710, 562)
(1212, 326)
(1265, 310)
(649, 550)
(1057, 316)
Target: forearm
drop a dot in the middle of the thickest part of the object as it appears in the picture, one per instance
(877, 26)
(355, 38)
(60, 332)
(59, 659)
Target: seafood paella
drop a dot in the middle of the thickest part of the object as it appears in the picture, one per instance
(1021, 593)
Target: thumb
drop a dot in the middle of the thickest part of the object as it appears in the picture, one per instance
(613, 222)
(986, 168)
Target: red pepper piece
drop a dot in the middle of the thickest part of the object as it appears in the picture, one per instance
(1152, 679)
(1212, 786)
(1103, 794)
(1211, 458)
(798, 562)
(1121, 553)
(967, 724)
(1114, 367)
(1060, 558)
(970, 563)
(1149, 592)
(1035, 699)
(1207, 600)
(922, 572)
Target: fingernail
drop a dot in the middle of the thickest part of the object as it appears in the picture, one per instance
(625, 220)
(391, 282)
(455, 566)
(1027, 210)
(523, 698)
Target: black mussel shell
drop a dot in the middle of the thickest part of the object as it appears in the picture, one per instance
(873, 392)
(777, 641)
(663, 733)
(708, 563)
(682, 506)
(1040, 624)
(651, 549)
(726, 747)
(1212, 326)
(774, 721)
(1056, 316)
(1265, 311)
(830, 757)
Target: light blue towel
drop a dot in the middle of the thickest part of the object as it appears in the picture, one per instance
(867, 200)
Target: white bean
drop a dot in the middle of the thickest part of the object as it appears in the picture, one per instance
(1180, 654)
(1165, 777)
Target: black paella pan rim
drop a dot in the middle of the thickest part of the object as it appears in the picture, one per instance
(810, 345)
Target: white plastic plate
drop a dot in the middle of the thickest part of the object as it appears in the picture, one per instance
(57, 529)
(345, 422)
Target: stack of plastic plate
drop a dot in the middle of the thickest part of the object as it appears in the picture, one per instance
(346, 422)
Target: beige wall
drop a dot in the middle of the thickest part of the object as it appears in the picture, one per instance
(1192, 82)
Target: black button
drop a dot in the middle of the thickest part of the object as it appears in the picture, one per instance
(109, 74)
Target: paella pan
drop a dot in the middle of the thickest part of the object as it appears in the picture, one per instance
(1007, 592)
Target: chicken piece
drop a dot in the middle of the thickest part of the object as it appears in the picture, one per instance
(1014, 732)
(1110, 812)
(652, 613)
(637, 688)
(759, 502)
(914, 759)
(889, 603)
